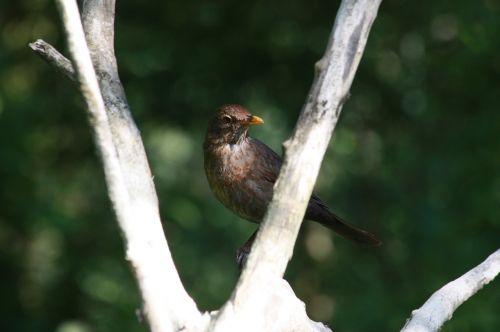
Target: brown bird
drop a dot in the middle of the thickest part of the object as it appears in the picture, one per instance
(241, 172)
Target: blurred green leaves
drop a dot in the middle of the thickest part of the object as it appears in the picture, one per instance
(414, 159)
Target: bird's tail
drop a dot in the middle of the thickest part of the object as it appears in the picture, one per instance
(350, 232)
(322, 215)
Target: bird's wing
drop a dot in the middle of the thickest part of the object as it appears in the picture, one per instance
(269, 161)
(268, 167)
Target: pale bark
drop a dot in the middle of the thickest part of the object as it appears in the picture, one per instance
(440, 306)
(262, 301)
(48, 53)
(130, 186)
(167, 306)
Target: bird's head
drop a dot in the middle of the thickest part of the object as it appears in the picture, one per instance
(230, 125)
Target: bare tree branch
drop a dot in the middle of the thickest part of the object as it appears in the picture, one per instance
(167, 306)
(48, 53)
(262, 301)
(304, 152)
(261, 292)
(440, 306)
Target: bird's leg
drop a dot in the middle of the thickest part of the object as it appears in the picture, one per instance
(244, 250)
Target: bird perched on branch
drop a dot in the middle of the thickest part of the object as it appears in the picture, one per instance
(241, 172)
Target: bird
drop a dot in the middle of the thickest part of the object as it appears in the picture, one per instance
(241, 172)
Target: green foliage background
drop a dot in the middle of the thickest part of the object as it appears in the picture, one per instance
(415, 159)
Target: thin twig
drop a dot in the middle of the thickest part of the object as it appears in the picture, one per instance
(48, 53)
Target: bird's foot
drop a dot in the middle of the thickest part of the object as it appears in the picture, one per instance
(242, 255)
(140, 314)
(244, 251)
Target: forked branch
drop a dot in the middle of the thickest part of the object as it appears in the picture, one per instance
(262, 301)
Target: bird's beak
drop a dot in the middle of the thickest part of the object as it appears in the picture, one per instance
(255, 120)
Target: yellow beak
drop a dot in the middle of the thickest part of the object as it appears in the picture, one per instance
(255, 120)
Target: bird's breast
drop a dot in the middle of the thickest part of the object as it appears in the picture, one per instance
(231, 163)
(229, 170)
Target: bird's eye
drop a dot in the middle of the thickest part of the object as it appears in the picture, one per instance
(226, 119)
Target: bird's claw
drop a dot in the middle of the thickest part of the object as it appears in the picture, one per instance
(241, 256)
